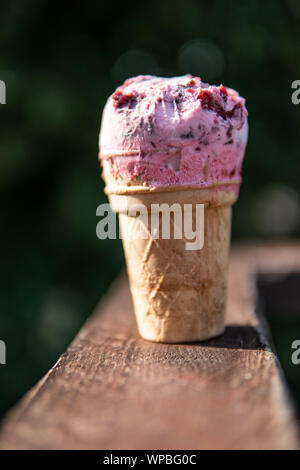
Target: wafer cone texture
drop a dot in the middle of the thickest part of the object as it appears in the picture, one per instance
(179, 295)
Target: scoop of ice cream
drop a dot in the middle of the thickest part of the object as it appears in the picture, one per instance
(160, 132)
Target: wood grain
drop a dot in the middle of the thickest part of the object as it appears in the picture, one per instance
(113, 390)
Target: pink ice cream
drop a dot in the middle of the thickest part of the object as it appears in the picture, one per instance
(161, 132)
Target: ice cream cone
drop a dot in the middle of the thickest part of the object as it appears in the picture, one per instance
(169, 142)
(179, 295)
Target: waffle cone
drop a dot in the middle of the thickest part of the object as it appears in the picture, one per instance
(179, 295)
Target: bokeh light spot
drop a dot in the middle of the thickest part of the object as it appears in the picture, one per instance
(132, 63)
(202, 58)
(276, 211)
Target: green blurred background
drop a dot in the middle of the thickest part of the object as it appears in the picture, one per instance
(60, 61)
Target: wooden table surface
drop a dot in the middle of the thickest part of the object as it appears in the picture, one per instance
(113, 390)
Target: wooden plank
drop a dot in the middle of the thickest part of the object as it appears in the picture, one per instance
(113, 390)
